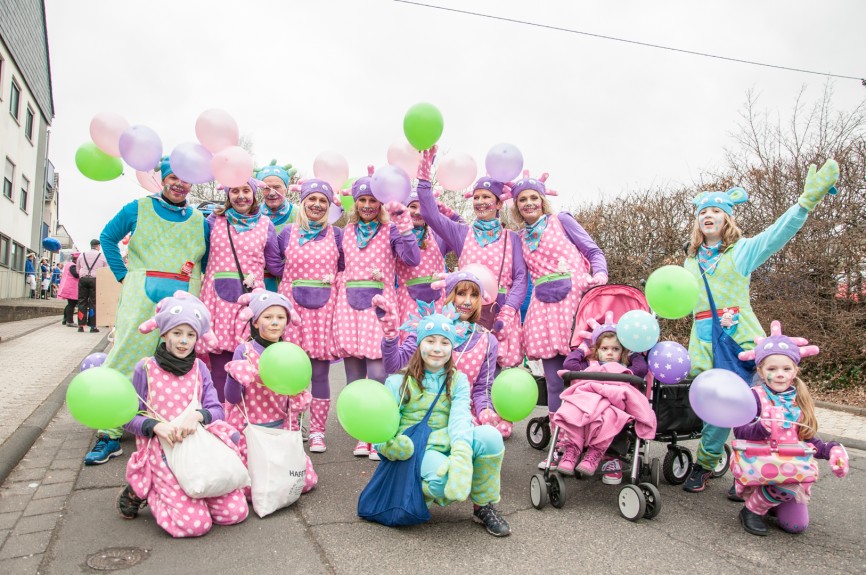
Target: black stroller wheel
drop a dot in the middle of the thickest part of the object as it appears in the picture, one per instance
(677, 465)
(557, 490)
(538, 432)
(722, 466)
(653, 500)
(655, 471)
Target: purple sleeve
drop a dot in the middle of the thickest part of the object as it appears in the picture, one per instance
(822, 447)
(452, 232)
(283, 239)
(405, 246)
(396, 356)
(575, 361)
(139, 382)
(338, 237)
(233, 390)
(209, 399)
(517, 293)
(443, 247)
(584, 242)
(638, 364)
(481, 386)
(273, 255)
(754, 431)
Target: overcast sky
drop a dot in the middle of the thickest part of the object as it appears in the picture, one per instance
(305, 76)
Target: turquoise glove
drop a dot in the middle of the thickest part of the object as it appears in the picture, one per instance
(818, 184)
(459, 469)
(400, 448)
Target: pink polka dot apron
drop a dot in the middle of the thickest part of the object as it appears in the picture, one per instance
(314, 298)
(150, 477)
(262, 407)
(369, 272)
(558, 272)
(415, 280)
(499, 259)
(469, 361)
(222, 286)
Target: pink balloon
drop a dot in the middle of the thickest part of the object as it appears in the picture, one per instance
(232, 166)
(335, 212)
(332, 167)
(404, 156)
(390, 184)
(149, 181)
(456, 171)
(488, 281)
(105, 131)
(216, 130)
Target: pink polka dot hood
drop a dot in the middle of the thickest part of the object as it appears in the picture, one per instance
(183, 308)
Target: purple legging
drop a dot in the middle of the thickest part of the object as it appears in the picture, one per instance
(218, 363)
(793, 517)
(357, 368)
(321, 383)
(555, 385)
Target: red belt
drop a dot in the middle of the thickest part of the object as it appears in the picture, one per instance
(719, 312)
(168, 275)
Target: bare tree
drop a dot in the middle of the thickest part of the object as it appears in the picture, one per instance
(209, 192)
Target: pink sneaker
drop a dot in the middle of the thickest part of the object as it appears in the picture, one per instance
(317, 442)
(374, 455)
(589, 463)
(612, 470)
(361, 449)
(569, 458)
(543, 463)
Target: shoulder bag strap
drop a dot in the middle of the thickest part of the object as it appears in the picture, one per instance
(235, 254)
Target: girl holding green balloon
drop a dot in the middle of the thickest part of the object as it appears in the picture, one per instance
(723, 261)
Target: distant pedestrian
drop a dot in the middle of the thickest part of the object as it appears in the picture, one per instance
(30, 273)
(45, 276)
(68, 290)
(87, 264)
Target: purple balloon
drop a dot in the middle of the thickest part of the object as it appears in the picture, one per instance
(140, 147)
(669, 362)
(390, 184)
(504, 162)
(721, 398)
(93, 360)
(191, 163)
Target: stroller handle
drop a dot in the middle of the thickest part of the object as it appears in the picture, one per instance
(602, 376)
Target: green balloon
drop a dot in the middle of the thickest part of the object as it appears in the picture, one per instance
(285, 368)
(96, 164)
(422, 125)
(514, 394)
(348, 202)
(368, 412)
(348, 184)
(672, 292)
(101, 398)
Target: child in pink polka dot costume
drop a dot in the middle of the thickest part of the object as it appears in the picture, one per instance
(783, 401)
(373, 240)
(166, 383)
(268, 313)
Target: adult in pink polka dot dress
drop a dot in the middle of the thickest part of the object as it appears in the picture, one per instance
(166, 383)
(314, 257)
(785, 414)
(558, 253)
(247, 398)
(371, 245)
(485, 242)
(240, 223)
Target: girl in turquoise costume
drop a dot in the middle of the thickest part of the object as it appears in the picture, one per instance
(459, 460)
(168, 249)
(719, 254)
(276, 206)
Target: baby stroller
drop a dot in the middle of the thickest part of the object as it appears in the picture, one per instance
(675, 422)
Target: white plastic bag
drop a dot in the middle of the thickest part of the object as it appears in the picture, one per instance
(277, 466)
(203, 465)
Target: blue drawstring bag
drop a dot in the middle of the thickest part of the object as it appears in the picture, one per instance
(725, 348)
(394, 496)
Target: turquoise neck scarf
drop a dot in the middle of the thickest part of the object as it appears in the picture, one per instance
(487, 231)
(708, 257)
(534, 232)
(242, 222)
(308, 235)
(279, 214)
(420, 232)
(788, 400)
(364, 232)
(172, 207)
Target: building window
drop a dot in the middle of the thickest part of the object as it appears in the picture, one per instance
(28, 124)
(25, 191)
(8, 178)
(15, 99)
(17, 257)
(4, 251)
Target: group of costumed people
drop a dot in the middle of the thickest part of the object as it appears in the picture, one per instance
(279, 272)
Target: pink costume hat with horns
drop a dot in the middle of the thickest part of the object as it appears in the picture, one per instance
(529, 183)
(776, 343)
(179, 309)
(598, 328)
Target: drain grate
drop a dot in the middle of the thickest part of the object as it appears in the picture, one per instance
(116, 558)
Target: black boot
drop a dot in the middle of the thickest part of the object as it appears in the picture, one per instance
(752, 522)
(732, 495)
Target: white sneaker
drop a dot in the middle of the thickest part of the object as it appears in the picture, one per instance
(317, 442)
(361, 449)
(374, 455)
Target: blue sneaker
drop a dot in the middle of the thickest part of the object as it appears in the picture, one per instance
(105, 449)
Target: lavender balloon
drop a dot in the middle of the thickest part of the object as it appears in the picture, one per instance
(721, 398)
(390, 184)
(669, 362)
(140, 147)
(93, 360)
(504, 162)
(191, 163)
(335, 212)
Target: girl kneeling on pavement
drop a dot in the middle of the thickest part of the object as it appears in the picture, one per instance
(458, 460)
(164, 384)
